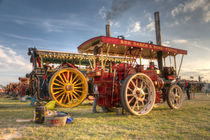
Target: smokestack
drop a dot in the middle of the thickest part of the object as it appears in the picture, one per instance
(108, 30)
(158, 40)
(157, 28)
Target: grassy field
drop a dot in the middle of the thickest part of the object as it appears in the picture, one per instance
(192, 121)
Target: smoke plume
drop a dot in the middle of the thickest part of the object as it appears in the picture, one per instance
(118, 8)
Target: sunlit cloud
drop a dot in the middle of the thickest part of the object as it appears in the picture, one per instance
(134, 27)
(166, 43)
(199, 46)
(12, 63)
(181, 41)
(151, 25)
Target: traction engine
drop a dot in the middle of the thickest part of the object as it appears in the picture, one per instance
(130, 84)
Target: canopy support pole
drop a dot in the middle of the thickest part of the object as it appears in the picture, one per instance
(140, 58)
(175, 63)
(170, 61)
(180, 65)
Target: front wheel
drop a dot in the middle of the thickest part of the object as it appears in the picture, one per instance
(68, 87)
(138, 94)
(175, 97)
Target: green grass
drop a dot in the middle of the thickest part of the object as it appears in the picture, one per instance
(192, 121)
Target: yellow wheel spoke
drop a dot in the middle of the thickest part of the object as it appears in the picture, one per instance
(74, 78)
(66, 98)
(76, 93)
(78, 84)
(76, 90)
(64, 77)
(57, 84)
(61, 98)
(59, 81)
(77, 87)
(72, 98)
(75, 96)
(57, 92)
(58, 88)
(76, 81)
(60, 95)
(61, 78)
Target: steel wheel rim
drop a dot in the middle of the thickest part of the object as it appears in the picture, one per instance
(68, 87)
(175, 96)
(140, 94)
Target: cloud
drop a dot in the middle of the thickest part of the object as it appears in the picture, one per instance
(207, 17)
(151, 25)
(71, 22)
(187, 6)
(166, 43)
(191, 6)
(175, 23)
(199, 46)
(11, 63)
(181, 41)
(63, 25)
(133, 28)
(136, 27)
(23, 37)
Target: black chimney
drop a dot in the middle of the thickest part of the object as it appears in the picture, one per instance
(108, 30)
(158, 40)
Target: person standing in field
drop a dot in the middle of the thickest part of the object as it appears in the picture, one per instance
(188, 88)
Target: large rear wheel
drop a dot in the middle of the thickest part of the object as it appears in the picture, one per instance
(68, 87)
(138, 94)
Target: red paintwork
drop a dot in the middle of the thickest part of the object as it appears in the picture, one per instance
(111, 98)
(104, 83)
(117, 41)
(151, 73)
(68, 64)
(157, 99)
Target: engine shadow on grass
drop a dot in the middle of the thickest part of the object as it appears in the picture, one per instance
(114, 114)
(96, 115)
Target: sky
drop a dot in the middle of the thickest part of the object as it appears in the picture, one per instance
(62, 25)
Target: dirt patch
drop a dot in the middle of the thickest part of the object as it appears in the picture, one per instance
(11, 136)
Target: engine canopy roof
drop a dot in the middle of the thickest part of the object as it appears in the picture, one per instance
(122, 47)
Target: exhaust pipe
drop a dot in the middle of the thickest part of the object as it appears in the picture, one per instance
(158, 40)
(108, 33)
